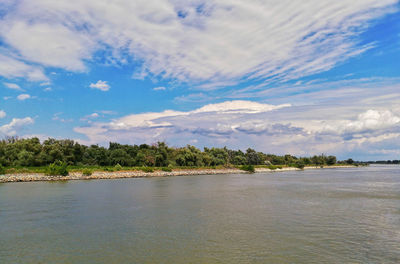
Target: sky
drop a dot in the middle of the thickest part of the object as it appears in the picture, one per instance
(289, 76)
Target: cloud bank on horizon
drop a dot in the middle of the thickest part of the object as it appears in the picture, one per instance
(282, 76)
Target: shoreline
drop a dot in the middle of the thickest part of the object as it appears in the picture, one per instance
(98, 175)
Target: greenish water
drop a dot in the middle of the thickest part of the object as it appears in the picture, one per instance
(313, 216)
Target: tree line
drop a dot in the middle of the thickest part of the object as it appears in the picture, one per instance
(30, 152)
(384, 162)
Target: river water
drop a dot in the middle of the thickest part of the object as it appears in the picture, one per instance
(348, 215)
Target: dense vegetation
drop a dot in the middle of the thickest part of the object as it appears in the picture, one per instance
(384, 162)
(31, 152)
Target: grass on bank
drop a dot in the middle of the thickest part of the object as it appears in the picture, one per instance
(61, 168)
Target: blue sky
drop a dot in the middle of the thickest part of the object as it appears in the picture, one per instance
(299, 77)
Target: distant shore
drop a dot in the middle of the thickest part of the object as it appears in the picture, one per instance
(30, 177)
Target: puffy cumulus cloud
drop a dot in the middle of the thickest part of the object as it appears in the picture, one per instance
(300, 130)
(367, 122)
(203, 41)
(15, 126)
(23, 97)
(2, 114)
(100, 85)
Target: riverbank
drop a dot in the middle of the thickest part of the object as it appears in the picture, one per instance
(29, 177)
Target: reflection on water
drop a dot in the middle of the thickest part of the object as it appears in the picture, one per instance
(313, 216)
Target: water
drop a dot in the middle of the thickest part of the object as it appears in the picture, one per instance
(313, 216)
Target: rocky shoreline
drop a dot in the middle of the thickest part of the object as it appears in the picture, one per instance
(30, 177)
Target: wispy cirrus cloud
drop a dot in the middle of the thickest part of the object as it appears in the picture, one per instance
(159, 88)
(58, 117)
(13, 86)
(14, 68)
(205, 42)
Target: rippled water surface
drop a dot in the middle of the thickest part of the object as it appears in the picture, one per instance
(313, 216)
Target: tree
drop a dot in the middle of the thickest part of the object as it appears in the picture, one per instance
(331, 160)
(119, 156)
(252, 157)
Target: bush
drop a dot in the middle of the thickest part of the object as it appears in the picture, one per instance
(2, 170)
(87, 172)
(274, 167)
(109, 169)
(299, 164)
(168, 169)
(58, 168)
(249, 168)
(118, 167)
(147, 169)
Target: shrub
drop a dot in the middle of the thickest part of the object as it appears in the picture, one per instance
(147, 169)
(58, 168)
(249, 168)
(2, 170)
(87, 172)
(299, 164)
(168, 169)
(274, 167)
(109, 169)
(118, 167)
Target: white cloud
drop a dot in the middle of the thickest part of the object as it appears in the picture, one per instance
(47, 89)
(239, 106)
(208, 42)
(90, 117)
(368, 121)
(23, 97)
(13, 68)
(13, 86)
(229, 107)
(340, 129)
(57, 117)
(2, 114)
(99, 114)
(15, 126)
(45, 83)
(100, 85)
(215, 119)
(48, 44)
(159, 88)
